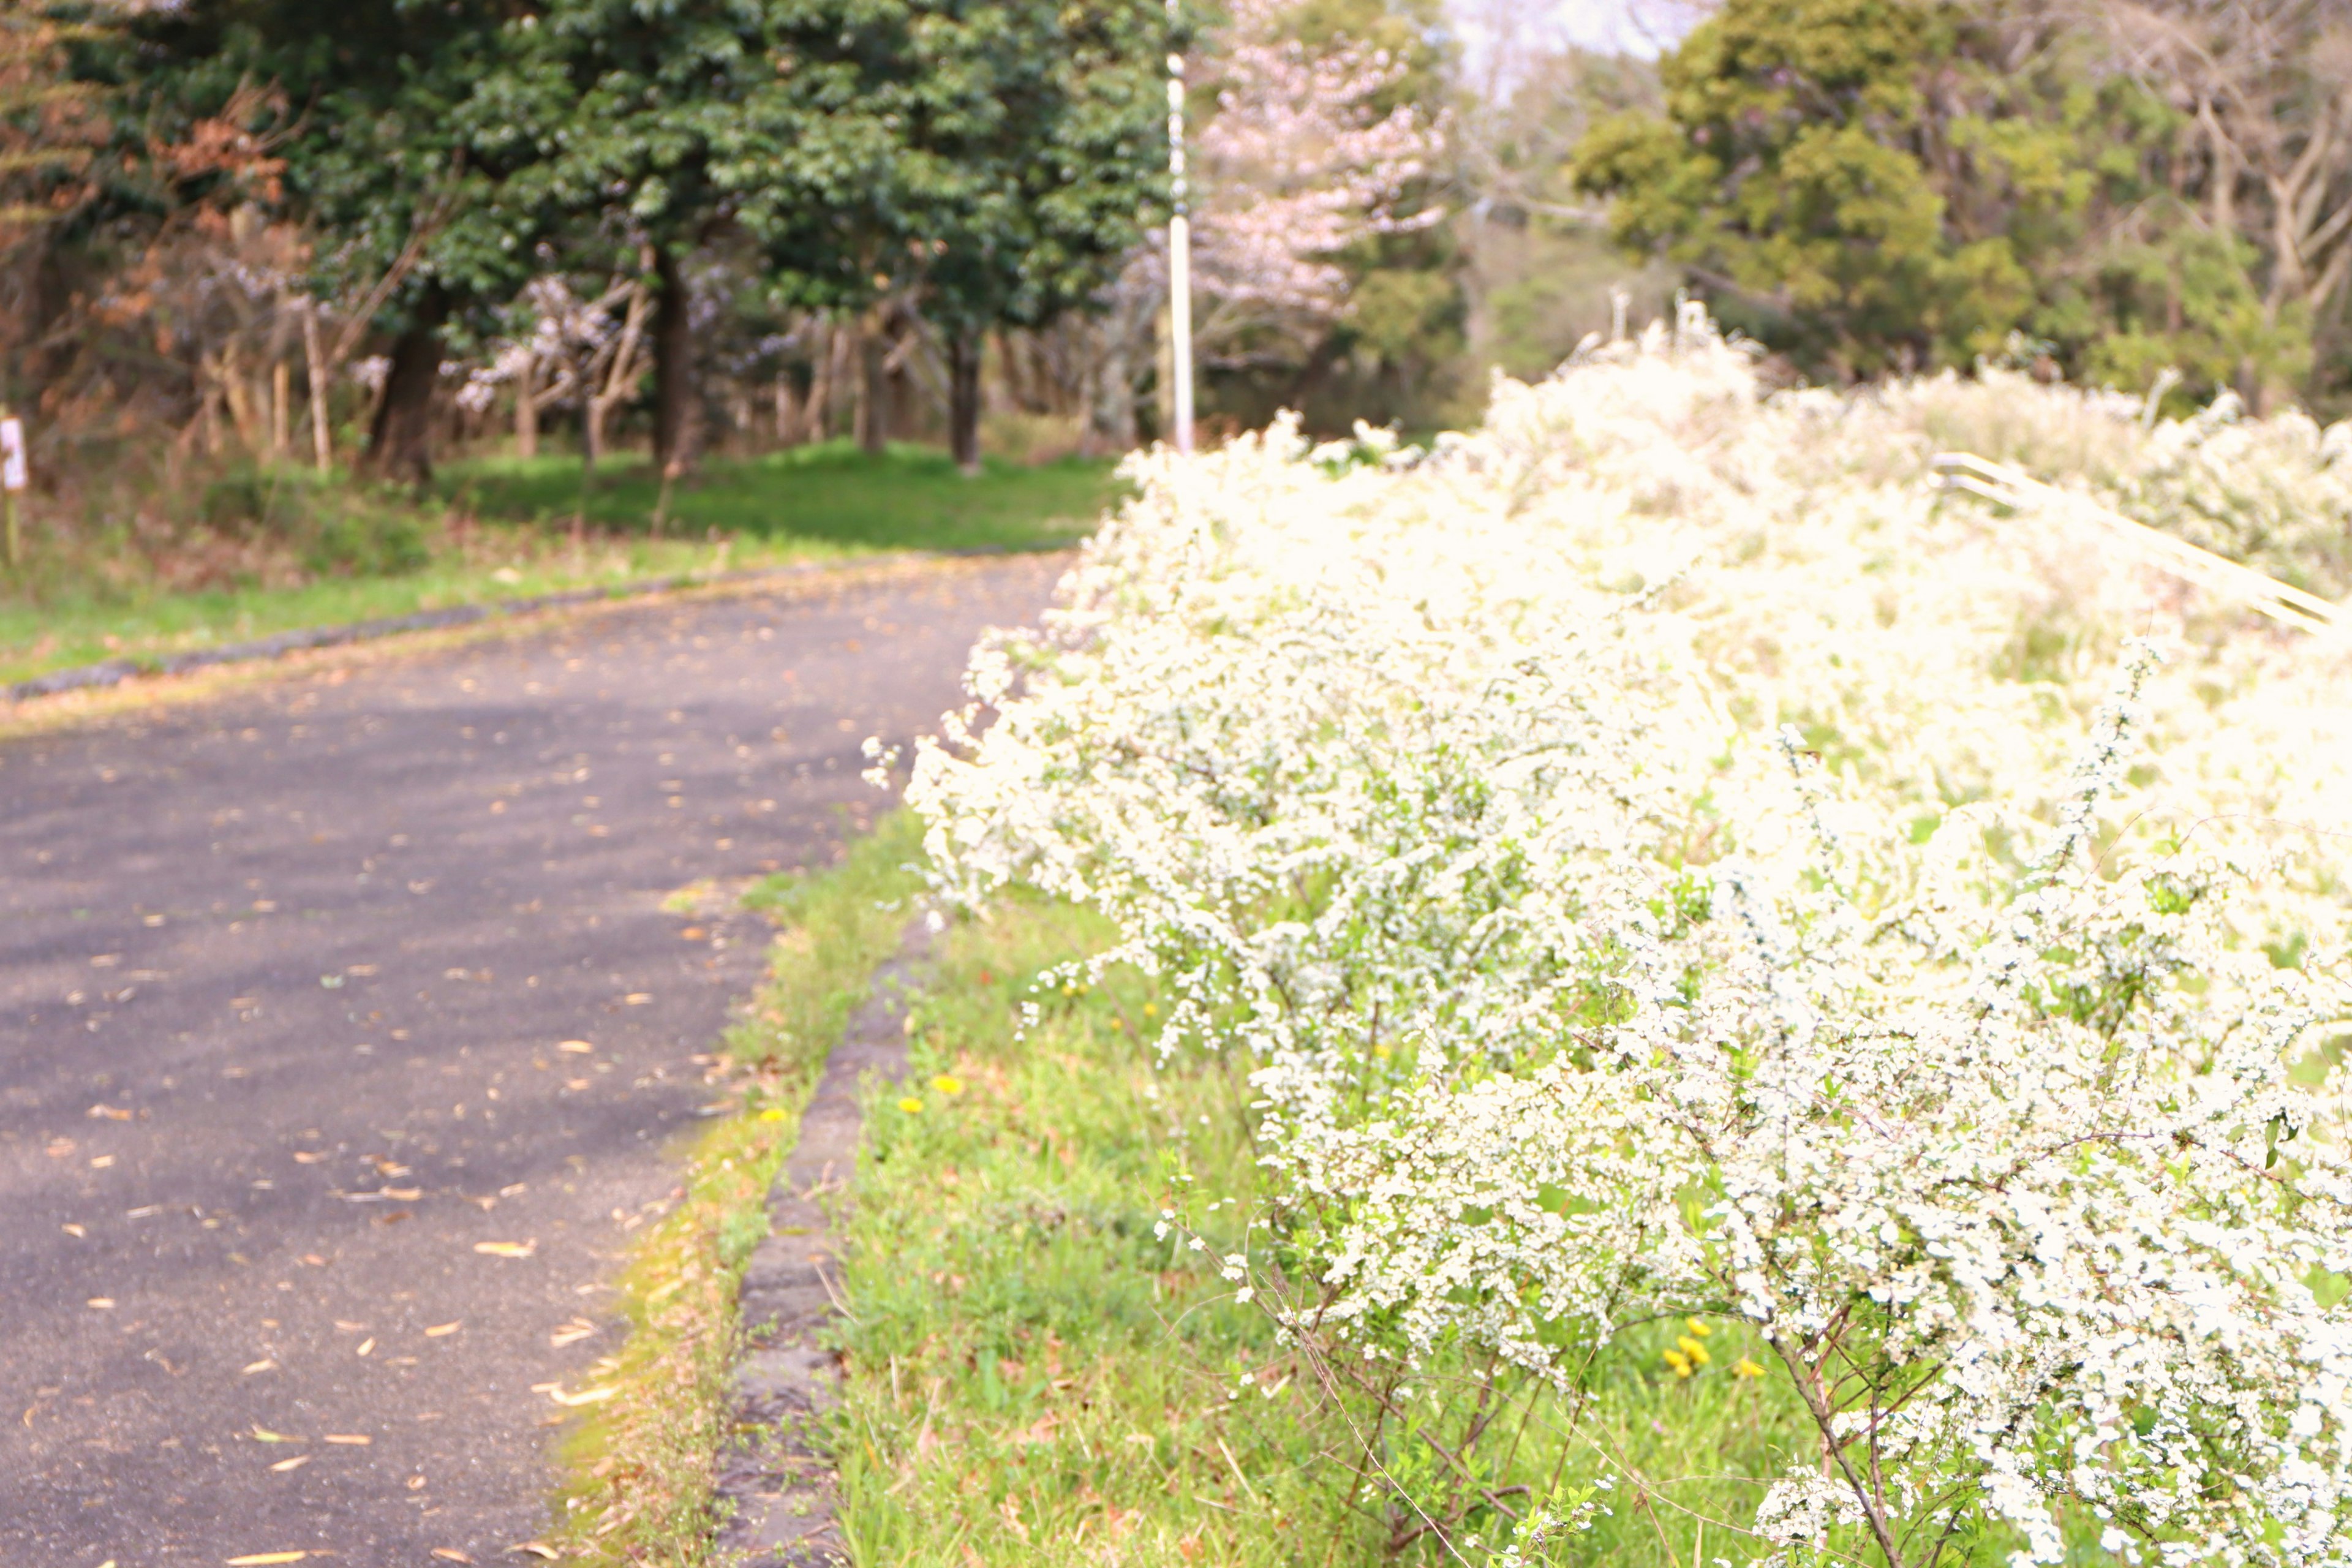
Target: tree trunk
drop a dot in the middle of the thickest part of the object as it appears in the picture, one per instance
(677, 404)
(322, 437)
(208, 394)
(1009, 378)
(1110, 413)
(873, 390)
(788, 422)
(827, 375)
(399, 439)
(527, 408)
(620, 378)
(239, 395)
(963, 401)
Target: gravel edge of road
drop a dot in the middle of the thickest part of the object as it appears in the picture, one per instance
(774, 1472)
(116, 671)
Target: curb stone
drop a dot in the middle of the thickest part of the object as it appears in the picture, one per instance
(787, 1382)
(115, 671)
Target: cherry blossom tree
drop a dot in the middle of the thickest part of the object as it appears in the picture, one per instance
(1298, 164)
(1303, 157)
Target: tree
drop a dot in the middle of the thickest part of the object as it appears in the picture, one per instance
(368, 118)
(1310, 154)
(2264, 91)
(979, 163)
(51, 129)
(1037, 143)
(1786, 178)
(1871, 186)
(628, 123)
(1311, 143)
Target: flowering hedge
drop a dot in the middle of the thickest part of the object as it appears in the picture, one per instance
(1661, 861)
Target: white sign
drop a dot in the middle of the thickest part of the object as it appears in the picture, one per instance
(11, 455)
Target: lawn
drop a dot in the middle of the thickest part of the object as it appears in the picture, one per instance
(500, 529)
(810, 497)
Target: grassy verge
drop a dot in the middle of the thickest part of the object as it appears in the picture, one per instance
(834, 494)
(641, 1465)
(496, 563)
(501, 529)
(1035, 1377)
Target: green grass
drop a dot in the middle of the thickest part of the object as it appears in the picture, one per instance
(816, 497)
(835, 925)
(1034, 1378)
(86, 628)
(500, 529)
(639, 1468)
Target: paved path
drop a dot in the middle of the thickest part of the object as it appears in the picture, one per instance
(285, 981)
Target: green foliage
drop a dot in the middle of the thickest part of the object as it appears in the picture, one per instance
(1036, 143)
(365, 113)
(636, 111)
(1402, 315)
(998, 156)
(1003, 146)
(1875, 186)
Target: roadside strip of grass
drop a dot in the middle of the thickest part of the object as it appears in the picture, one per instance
(499, 563)
(640, 1467)
(500, 529)
(1033, 1377)
(912, 498)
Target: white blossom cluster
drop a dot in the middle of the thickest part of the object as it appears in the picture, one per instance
(1662, 860)
(2275, 493)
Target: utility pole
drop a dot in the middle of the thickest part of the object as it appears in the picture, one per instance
(1180, 249)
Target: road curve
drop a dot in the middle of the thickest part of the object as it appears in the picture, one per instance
(292, 1146)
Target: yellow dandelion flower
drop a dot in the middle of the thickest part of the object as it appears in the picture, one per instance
(773, 1113)
(1152, 1009)
(1696, 1352)
(910, 1105)
(1744, 1367)
(1680, 1362)
(948, 1083)
(1698, 1326)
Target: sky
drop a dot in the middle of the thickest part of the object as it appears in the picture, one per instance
(1634, 27)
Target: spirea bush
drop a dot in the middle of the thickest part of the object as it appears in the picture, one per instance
(1663, 864)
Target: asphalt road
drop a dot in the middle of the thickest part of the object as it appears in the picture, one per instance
(286, 980)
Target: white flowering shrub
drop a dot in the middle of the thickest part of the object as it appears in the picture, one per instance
(1663, 864)
(2276, 493)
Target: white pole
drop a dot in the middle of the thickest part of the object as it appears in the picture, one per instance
(1180, 256)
